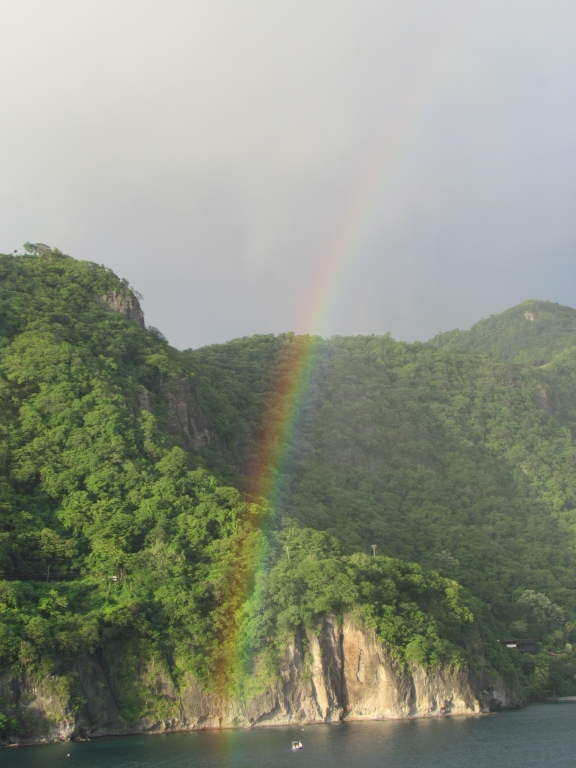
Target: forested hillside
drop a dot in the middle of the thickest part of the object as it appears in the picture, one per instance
(531, 332)
(107, 529)
(127, 516)
(117, 537)
(455, 459)
(450, 459)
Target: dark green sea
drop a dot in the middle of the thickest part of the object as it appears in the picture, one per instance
(538, 736)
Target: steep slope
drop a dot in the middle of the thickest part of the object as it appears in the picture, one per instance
(122, 550)
(339, 672)
(107, 531)
(531, 332)
(452, 459)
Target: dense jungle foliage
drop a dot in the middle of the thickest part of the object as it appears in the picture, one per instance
(111, 532)
(450, 459)
(116, 528)
(107, 530)
(457, 460)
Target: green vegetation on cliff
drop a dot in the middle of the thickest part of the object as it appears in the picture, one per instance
(113, 534)
(126, 517)
(107, 528)
(457, 460)
(422, 617)
(445, 458)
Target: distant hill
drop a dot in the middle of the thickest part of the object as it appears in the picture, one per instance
(531, 332)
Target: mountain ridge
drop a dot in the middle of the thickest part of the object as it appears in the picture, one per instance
(531, 332)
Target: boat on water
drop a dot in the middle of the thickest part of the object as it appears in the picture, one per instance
(297, 745)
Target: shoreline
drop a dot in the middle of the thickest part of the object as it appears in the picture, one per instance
(194, 729)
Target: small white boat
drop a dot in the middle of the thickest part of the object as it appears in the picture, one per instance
(297, 745)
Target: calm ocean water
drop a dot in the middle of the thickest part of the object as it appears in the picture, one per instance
(538, 736)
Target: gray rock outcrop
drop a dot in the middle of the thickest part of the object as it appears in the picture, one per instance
(123, 303)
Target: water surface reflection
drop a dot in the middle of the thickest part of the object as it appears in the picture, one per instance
(537, 736)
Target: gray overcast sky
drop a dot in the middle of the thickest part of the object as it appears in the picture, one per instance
(336, 167)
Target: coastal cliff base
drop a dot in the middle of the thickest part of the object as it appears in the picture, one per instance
(340, 673)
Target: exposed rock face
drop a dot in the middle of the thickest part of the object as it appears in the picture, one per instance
(123, 303)
(184, 418)
(345, 674)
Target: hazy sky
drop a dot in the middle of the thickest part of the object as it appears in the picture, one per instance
(335, 167)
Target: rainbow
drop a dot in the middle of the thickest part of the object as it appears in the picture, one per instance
(374, 179)
(299, 356)
(289, 389)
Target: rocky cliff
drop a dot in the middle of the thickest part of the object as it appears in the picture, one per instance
(184, 419)
(339, 673)
(123, 302)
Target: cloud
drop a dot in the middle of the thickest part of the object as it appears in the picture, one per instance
(211, 151)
